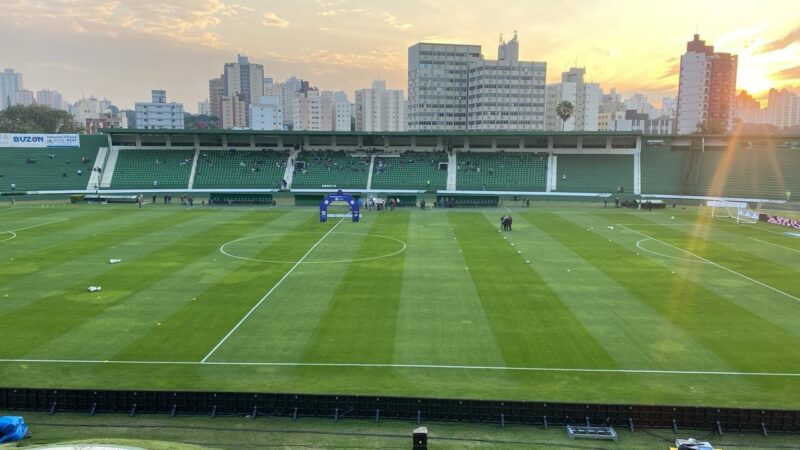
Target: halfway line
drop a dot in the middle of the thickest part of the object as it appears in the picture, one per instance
(409, 366)
(286, 275)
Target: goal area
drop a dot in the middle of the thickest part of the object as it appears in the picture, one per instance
(740, 212)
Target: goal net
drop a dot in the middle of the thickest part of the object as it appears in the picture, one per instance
(738, 211)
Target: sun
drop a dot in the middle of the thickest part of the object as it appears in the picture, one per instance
(753, 80)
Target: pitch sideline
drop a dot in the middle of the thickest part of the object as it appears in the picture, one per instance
(405, 366)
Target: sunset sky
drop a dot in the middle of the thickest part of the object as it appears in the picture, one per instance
(121, 49)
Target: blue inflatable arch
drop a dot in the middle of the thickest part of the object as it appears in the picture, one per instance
(339, 196)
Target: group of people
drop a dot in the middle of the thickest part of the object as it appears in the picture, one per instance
(505, 223)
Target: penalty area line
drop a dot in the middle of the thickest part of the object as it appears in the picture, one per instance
(405, 366)
(761, 283)
(266, 296)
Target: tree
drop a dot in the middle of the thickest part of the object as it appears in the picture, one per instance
(200, 122)
(711, 126)
(37, 119)
(564, 111)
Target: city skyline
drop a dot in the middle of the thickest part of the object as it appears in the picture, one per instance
(122, 49)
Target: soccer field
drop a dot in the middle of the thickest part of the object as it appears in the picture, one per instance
(578, 303)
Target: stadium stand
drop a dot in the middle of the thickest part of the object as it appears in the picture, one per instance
(330, 169)
(240, 169)
(594, 173)
(501, 171)
(746, 172)
(152, 169)
(662, 170)
(411, 170)
(32, 169)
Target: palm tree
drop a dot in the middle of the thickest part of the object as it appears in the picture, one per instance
(564, 111)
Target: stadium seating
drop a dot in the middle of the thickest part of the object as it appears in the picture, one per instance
(662, 170)
(747, 173)
(411, 170)
(240, 169)
(152, 169)
(501, 171)
(594, 173)
(32, 169)
(330, 169)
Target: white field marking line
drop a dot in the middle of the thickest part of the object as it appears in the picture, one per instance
(776, 245)
(285, 276)
(638, 245)
(715, 264)
(406, 366)
(341, 261)
(13, 234)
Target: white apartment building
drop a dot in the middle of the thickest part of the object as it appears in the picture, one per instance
(438, 84)
(586, 99)
(50, 98)
(158, 114)
(267, 114)
(10, 83)
(307, 111)
(506, 94)
(380, 109)
(204, 108)
(706, 89)
(641, 104)
(341, 112)
(24, 97)
(783, 109)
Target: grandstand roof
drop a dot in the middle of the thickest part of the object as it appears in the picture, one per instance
(370, 133)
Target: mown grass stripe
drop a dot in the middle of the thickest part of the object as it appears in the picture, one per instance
(529, 322)
(361, 317)
(684, 303)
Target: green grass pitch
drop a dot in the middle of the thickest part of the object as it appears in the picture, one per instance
(577, 304)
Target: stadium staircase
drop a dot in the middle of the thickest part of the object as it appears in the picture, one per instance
(288, 174)
(452, 171)
(99, 162)
(194, 168)
(108, 168)
(371, 168)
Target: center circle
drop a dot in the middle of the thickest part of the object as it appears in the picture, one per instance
(227, 251)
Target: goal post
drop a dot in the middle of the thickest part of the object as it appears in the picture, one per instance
(738, 211)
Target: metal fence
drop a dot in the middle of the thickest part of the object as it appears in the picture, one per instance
(415, 409)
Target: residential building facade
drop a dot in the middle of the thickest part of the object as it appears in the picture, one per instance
(706, 89)
(380, 109)
(267, 114)
(10, 83)
(50, 98)
(158, 113)
(586, 99)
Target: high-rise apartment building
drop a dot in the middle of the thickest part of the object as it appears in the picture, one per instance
(158, 114)
(10, 83)
(267, 114)
(507, 94)
(244, 79)
(24, 97)
(452, 87)
(783, 109)
(203, 108)
(438, 85)
(586, 99)
(233, 111)
(216, 90)
(50, 98)
(380, 109)
(706, 89)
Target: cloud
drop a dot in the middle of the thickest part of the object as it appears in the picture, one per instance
(787, 74)
(273, 20)
(392, 21)
(778, 44)
(671, 71)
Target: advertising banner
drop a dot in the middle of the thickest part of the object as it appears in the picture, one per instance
(27, 140)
